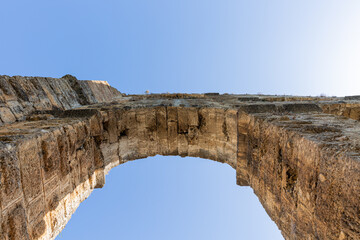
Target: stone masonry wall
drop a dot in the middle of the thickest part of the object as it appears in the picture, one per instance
(299, 154)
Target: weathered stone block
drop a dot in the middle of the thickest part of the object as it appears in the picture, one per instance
(13, 226)
(36, 209)
(172, 130)
(30, 165)
(161, 126)
(50, 154)
(11, 189)
(6, 115)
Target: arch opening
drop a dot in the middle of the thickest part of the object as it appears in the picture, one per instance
(171, 198)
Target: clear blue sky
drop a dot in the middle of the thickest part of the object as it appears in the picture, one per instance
(235, 46)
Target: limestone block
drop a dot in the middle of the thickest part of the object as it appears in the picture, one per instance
(111, 127)
(6, 115)
(172, 130)
(36, 210)
(132, 144)
(50, 154)
(151, 132)
(64, 152)
(14, 226)
(8, 93)
(30, 165)
(161, 126)
(11, 189)
(16, 109)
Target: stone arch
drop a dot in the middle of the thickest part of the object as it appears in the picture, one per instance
(72, 153)
(210, 133)
(300, 155)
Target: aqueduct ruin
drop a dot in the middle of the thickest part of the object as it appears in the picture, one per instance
(60, 137)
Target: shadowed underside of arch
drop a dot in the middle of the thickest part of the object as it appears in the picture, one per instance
(300, 158)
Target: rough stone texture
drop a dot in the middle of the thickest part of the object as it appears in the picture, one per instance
(60, 137)
(20, 97)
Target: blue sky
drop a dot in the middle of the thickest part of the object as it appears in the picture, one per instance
(171, 198)
(279, 47)
(275, 47)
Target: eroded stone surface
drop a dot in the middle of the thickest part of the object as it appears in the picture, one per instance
(60, 137)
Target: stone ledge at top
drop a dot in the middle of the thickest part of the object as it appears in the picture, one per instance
(21, 96)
